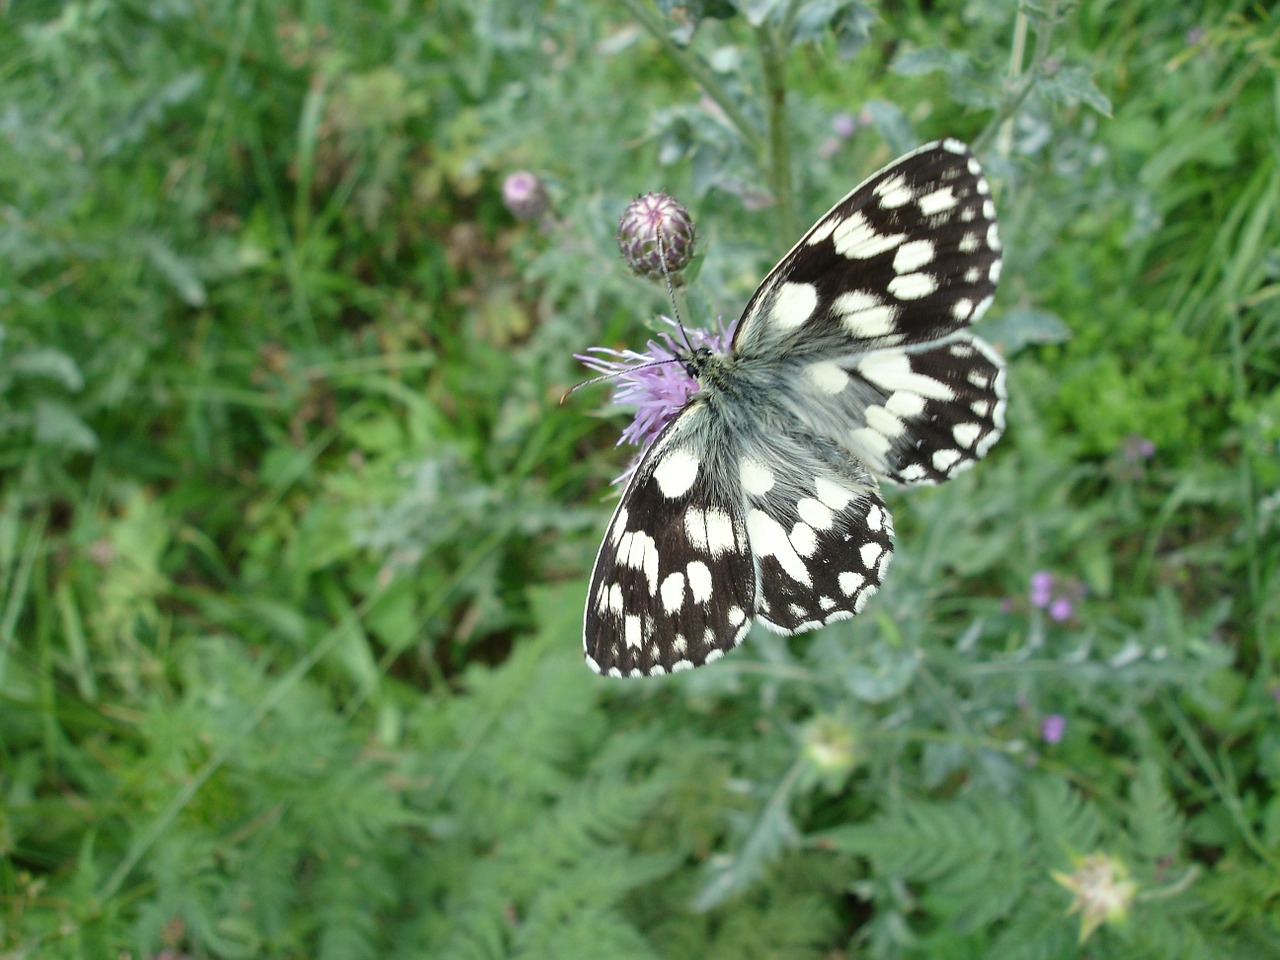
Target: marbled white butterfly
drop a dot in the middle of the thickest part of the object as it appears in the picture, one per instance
(851, 362)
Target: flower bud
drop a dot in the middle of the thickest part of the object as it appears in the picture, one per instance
(646, 219)
(525, 195)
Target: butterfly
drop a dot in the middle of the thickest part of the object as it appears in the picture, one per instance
(852, 363)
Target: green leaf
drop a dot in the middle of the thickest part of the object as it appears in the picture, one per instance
(1022, 327)
(1073, 85)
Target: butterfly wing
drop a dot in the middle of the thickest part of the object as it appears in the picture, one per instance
(674, 584)
(866, 315)
(817, 528)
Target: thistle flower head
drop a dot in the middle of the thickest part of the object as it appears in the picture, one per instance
(1103, 892)
(655, 382)
(646, 219)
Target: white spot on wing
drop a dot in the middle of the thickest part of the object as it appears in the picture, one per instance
(966, 433)
(827, 376)
(936, 202)
(699, 580)
(851, 582)
(912, 256)
(832, 494)
(905, 404)
(793, 304)
(672, 592)
(882, 421)
(857, 239)
(675, 473)
(769, 539)
(891, 369)
(815, 513)
(944, 460)
(913, 286)
(757, 479)
(804, 540)
(865, 315)
(631, 632)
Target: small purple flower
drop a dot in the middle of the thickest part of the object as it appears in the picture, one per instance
(1060, 609)
(1195, 36)
(1052, 727)
(525, 195)
(844, 125)
(1137, 448)
(1041, 588)
(656, 382)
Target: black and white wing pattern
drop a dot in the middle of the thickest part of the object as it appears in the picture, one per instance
(852, 362)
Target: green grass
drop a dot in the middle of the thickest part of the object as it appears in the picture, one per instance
(295, 533)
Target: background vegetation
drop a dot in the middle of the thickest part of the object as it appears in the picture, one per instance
(294, 535)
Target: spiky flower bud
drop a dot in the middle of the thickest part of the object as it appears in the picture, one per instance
(644, 220)
(525, 195)
(1103, 892)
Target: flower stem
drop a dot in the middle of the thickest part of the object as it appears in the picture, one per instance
(778, 162)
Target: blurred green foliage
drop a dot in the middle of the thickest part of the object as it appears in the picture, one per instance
(294, 534)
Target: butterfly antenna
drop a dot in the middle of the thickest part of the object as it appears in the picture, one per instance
(615, 373)
(671, 288)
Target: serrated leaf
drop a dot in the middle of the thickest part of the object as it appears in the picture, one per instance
(178, 271)
(58, 425)
(48, 363)
(953, 63)
(756, 11)
(1073, 85)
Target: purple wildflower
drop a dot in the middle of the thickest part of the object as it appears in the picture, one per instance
(844, 125)
(656, 382)
(1041, 588)
(525, 195)
(1052, 727)
(1137, 448)
(1061, 609)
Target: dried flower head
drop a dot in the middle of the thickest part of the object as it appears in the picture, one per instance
(1103, 892)
(525, 195)
(646, 219)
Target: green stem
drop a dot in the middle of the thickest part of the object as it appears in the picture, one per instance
(1002, 122)
(778, 161)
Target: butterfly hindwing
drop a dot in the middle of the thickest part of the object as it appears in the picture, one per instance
(674, 584)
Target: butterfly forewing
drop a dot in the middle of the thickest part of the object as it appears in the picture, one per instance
(909, 256)
(852, 360)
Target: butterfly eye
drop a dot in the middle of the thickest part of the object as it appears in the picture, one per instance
(697, 361)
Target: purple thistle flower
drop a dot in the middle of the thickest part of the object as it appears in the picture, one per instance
(1041, 588)
(1052, 727)
(656, 382)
